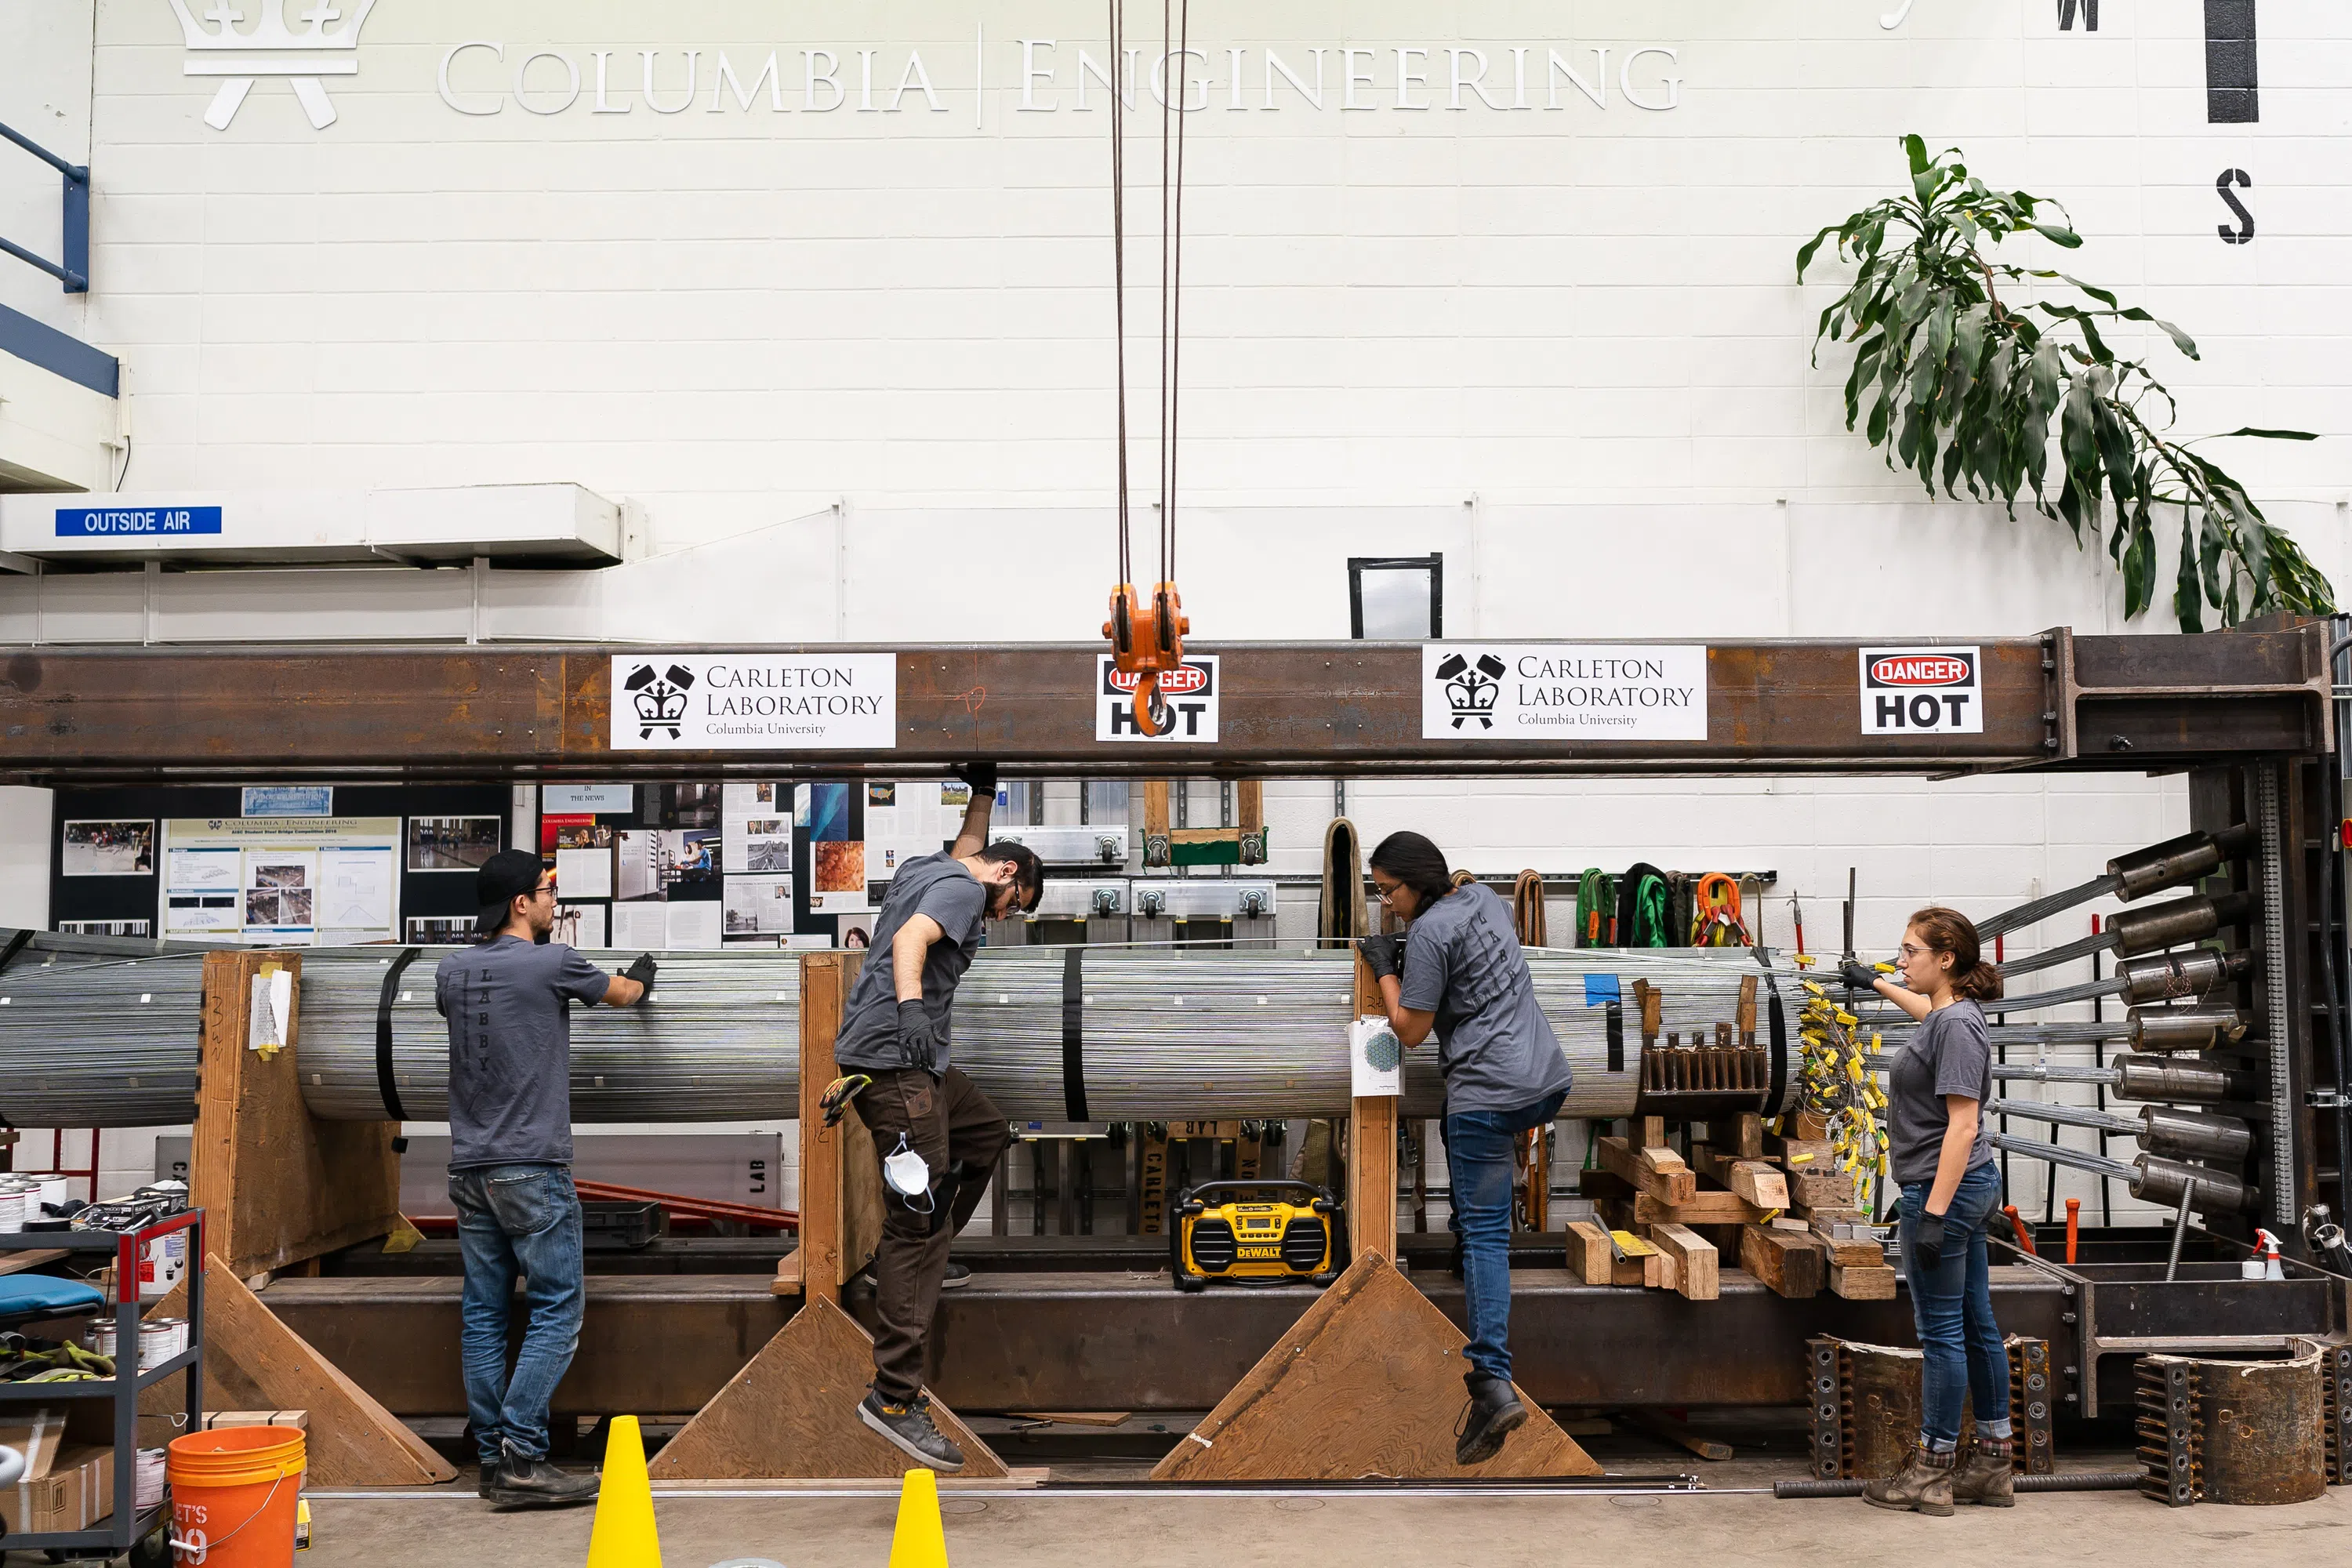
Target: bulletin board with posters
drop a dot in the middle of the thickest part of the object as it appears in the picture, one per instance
(339, 865)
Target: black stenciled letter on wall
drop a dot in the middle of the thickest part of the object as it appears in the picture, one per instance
(2243, 231)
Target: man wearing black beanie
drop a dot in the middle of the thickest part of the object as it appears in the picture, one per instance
(507, 1001)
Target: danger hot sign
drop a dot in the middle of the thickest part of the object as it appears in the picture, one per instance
(1922, 691)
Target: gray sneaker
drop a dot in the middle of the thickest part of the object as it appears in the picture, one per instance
(956, 1278)
(910, 1429)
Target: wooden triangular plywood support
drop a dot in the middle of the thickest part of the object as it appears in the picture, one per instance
(254, 1362)
(1367, 1384)
(792, 1414)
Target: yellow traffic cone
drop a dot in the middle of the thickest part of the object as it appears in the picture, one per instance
(625, 1536)
(919, 1541)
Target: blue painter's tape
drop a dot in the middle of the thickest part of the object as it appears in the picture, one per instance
(1600, 989)
(137, 522)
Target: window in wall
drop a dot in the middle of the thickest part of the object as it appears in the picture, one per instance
(1396, 599)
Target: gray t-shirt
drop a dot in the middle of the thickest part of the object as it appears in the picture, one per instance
(939, 886)
(1462, 962)
(509, 1004)
(1951, 1054)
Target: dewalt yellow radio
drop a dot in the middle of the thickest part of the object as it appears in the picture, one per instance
(1254, 1233)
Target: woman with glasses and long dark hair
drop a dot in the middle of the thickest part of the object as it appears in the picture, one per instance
(1456, 971)
(1952, 1188)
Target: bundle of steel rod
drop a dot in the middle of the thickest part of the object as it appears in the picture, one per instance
(1157, 1032)
(2151, 1178)
(718, 1040)
(2181, 1135)
(89, 1039)
(2172, 863)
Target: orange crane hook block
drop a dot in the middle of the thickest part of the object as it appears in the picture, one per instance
(1145, 643)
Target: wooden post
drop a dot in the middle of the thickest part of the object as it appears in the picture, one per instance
(840, 1199)
(1156, 831)
(279, 1186)
(1371, 1150)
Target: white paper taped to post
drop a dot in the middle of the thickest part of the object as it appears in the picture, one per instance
(1375, 1058)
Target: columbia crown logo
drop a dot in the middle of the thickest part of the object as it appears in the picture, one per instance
(659, 698)
(1471, 689)
(272, 48)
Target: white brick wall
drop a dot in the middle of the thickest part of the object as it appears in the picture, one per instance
(1565, 348)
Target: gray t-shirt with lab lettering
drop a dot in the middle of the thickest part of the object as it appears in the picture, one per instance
(934, 885)
(508, 1002)
(1462, 962)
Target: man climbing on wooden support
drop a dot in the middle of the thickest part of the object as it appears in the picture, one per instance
(1458, 971)
(936, 1136)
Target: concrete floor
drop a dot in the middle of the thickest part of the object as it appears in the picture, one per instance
(1720, 1529)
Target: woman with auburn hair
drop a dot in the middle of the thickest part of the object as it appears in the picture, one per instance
(1952, 1188)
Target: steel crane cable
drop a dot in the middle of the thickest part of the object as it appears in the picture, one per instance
(1118, 265)
(1171, 268)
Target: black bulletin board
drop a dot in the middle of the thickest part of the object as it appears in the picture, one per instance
(133, 897)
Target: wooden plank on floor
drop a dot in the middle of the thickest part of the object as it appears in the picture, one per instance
(1367, 1384)
(792, 1413)
(1660, 1424)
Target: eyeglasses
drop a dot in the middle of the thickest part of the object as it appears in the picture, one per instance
(1913, 950)
(1388, 894)
(546, 887)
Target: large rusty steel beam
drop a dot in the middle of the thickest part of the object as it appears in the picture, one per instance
(125, 715)
(664, 1345)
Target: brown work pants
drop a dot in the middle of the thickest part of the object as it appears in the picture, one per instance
(948, 1123)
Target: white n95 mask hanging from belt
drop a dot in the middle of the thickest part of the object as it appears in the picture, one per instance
(908, 1176)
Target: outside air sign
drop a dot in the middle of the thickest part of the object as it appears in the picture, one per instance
(136, 522)
(1922, 691)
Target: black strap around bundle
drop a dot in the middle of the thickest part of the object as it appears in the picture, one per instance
(1779, 1027)
(1616, 1037)
(1074, 1033)
(384, 1083)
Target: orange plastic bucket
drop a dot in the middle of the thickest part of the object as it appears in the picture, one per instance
(234, 1493)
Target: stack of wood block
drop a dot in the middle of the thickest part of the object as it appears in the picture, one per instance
(1790, 1220)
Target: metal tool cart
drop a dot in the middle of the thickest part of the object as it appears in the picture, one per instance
(129, 1528)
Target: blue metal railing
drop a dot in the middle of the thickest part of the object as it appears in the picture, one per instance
(74, 271)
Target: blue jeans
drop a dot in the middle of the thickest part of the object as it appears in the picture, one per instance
(517, 1220)
(1952, 1303)
(1478, 1169)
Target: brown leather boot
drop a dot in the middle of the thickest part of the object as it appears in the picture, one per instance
(1985, 1475)
(1924, 1485)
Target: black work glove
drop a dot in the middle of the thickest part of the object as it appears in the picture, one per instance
(1860, 976)
(916, 1042)
(643, 971)
(1928, 1237)
(982, 776)
(1384, 953)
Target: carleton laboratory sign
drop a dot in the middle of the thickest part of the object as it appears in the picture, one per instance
(754, 702)
(1562, 692)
